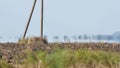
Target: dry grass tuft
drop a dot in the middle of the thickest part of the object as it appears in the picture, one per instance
(33, 40)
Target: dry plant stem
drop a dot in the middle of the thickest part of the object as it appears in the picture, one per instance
(42, 9)
(33, 7)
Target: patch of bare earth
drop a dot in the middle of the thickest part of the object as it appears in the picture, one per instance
(8, 51)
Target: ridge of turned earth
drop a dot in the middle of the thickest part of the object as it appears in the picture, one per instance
(9, 50)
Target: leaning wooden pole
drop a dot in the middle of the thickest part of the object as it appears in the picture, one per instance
(42, 9)
(33, 7)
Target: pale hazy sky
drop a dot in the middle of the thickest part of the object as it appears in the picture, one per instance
(61, 17)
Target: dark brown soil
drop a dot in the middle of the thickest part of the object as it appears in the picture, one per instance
(9, 50)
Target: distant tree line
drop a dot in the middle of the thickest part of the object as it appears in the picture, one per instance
(113, 37)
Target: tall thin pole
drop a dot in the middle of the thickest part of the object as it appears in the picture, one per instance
(33, 7)
(42, 9)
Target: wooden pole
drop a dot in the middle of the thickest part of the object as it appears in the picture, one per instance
(33, 7)
(42, 9)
